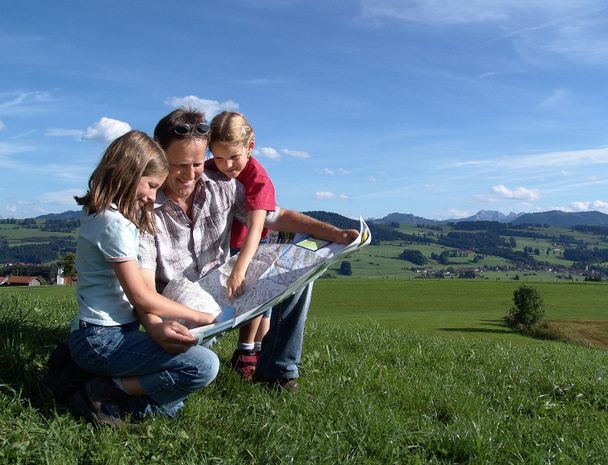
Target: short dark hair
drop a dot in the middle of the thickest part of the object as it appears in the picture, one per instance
(164, 132)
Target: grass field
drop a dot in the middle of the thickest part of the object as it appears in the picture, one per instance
(403, 372)
(449, 307)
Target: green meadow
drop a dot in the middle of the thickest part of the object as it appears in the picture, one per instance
(393, 372)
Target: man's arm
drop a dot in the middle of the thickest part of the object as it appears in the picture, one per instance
(294, 222)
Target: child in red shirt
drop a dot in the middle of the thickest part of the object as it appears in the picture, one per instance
(231, 141)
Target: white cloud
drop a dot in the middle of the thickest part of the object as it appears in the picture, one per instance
(23, 134)
(106, 130)
(551, 159)
(333, 172)
(267, 152)
(487, 75)
(557, 98)
(65, 197)
(580, 40)
(583, 206)
(435, 11)
(296, 153)
(599, 204)
(528, 14)
(572, 30)
(455, 213)
(2, 126)
(458, 164)
(22, 102)
(584, 157)
(520, 193)
(209, 107)
(59, 132)
(330, 196)
(7, 148)
(265, 81)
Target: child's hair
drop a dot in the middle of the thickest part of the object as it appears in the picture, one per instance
(230, 127)
(169, 127)
(125, 161)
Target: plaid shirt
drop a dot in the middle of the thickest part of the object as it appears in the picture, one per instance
(192, 248)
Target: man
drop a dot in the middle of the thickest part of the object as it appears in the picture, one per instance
(194, 214)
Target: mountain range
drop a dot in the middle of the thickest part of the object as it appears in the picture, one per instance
(555, 218)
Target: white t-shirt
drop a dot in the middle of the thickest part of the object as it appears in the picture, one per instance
(105, 238)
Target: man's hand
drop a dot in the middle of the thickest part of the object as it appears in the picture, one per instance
(172, 336)
(292, 221)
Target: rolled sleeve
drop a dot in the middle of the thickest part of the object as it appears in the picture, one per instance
(271, 217)
(147, 252)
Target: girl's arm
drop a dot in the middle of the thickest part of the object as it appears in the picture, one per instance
(147, 300)
(172, 336)
(255, 226)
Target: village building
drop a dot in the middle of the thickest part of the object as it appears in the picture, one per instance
(19, 281)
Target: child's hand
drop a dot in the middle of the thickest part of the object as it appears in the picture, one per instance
(235, 285)
(171, 336)
(202, 319)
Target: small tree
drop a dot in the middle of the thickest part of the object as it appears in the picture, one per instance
(528, 307)
(345, 268)
(68, 263)
(414, 256)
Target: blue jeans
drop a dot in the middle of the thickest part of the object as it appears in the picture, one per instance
(282, 346)
(123, 351)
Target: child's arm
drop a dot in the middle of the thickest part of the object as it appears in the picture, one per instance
(172, 336)
(255, 226)
(147, 300)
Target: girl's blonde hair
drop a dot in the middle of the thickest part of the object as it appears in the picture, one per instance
(230, 127)
(114, 181)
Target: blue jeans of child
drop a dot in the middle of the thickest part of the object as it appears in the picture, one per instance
(123, 351)
(282, 346)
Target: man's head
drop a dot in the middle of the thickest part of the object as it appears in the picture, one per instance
(183, 134)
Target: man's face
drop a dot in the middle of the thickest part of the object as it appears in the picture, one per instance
(186, 164)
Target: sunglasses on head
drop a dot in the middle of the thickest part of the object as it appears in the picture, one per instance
(184, 129)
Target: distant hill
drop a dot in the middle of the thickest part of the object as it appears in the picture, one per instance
(404, 218)
(68, 215)
(481, 215)
(380, 232)
(553, 218)
(489, 215)
(560, 219)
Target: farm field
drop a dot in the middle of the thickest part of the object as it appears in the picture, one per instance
(408, 372)
(449, 307)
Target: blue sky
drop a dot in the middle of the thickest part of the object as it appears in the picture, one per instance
(438, 108)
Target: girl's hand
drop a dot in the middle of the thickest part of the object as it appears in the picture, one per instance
(171, 336)
(202, 319)
(235, 285)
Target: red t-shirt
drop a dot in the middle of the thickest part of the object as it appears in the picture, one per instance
(259, 194)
